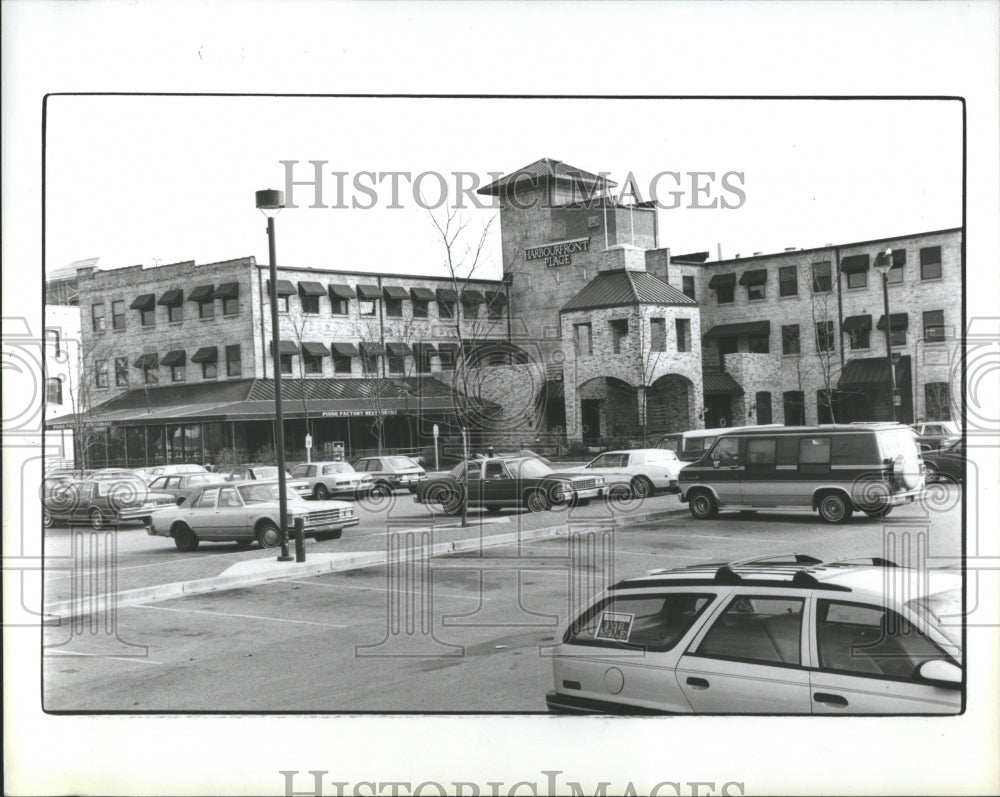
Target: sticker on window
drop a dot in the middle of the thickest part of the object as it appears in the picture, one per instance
(614, 626)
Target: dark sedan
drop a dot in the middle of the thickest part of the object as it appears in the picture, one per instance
(499, 482)
(182, 485)
(101, 502)
(947, 463)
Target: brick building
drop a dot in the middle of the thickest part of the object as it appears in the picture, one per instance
(596, 333)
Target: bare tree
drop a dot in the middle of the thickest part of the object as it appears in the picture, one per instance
(825, 323)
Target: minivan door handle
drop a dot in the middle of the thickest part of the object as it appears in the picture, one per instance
(697, 683)
(833, 700)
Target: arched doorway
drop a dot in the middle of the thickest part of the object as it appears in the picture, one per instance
(609, 410)
(669, 405)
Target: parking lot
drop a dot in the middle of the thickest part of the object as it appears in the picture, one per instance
(465, 632)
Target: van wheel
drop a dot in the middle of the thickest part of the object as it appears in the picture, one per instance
(703, 506)
(833, 508)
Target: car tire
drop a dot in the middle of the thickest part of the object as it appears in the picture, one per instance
(380, 490)
(537, 501)
(834, 508)
(451, 502)
(185, 539)
(97, 521)
(268, 535)
(641, 487)
(320, 493)
(703, 506)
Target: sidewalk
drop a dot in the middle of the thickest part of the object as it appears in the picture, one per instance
(212, 573)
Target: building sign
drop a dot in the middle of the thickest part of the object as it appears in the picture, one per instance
(356, 413)
(558, 254)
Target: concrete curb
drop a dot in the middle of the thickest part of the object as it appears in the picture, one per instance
(260, 571)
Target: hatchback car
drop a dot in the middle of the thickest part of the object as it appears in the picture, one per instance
(392, 471)
(644, 470)
(240, 473)
(776, 635)
(336, 479)
(245, 512)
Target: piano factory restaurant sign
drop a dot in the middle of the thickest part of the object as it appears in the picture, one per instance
(356, 413)
(558, 254)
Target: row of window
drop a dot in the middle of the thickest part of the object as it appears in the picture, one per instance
(937, 404)
(854, 267)
(343, 354)
(618, 329)
(858, 328)
(392, 296)
(148, 365)
(204, 296)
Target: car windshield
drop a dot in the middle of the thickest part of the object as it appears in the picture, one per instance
(529, 468)
(266, 472)
(945, 610)
(259, 493)
(401, 462)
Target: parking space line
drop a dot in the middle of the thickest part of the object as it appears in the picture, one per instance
(136, 660)
(241, 616)
(383, 589)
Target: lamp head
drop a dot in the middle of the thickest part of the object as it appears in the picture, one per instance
(269, 201)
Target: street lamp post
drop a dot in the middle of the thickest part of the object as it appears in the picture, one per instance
(883, 268)
(270, 203)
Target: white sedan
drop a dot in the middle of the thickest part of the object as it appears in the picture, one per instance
(325, 479)
(645, 470)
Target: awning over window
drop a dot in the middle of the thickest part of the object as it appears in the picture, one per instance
(315, 349)
(857, 323)
(341, 292)
(422, 294)
(395, 292)
(371, 349)
(424, 348)
(755, 328)
(369, 292)
(397, 349)
(285, 287)
(309, 288)
(175, 357)
(472, 298)
(228, 290)
(854, 263)
(447, 295)
(898, 321)
(172, 298)
(285, 348)
(755, 277)
(345, 349)
(145, 302)
(203, 293)
(722, 281)
(496, 297)
(148, 360)
(720, 385)
(206, 354)
(865, 372)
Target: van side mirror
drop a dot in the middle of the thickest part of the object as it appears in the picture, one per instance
(939, 672)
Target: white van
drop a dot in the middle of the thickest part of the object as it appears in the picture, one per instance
(690, 446)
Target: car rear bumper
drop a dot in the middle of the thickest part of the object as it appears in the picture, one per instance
(140, 513)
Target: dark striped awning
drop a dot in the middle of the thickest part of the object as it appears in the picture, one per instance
(345, 349)
(720, 385)
(424, 348)
(369, 292)
(854, 263)
(722, 281)
(284, 287)
(447, 295)
(755, 277)
(172, 298)
(148, 360)
(857, 323)
(206, 354)
(203, 293)
(174, 357)
(865, 372)
(395, 292)
(371, 348)
(422, 294)
(311, 288)
(227, 290)
(146, 301)
(315, 349)
(341, 292)
(898, 321)
(496, 297)
(397, 349)
(285, 348)
(472, 298)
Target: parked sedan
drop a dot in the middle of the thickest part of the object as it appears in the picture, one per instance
(245, 512)
(242, 473)
(644, 470)
(499, 482)
(932, 435)
(100, 502)
(392, 471)
(327, 479)
(779, 635)
(181, 486)
(948, 463)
